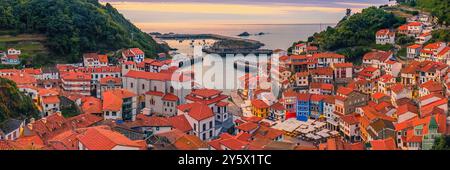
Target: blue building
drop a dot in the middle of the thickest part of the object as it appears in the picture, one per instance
(316, 106)
(309, 106)
(303, 106)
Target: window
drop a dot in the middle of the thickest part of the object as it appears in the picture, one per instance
(210, 134)
(143, 86)
(154, 88)
(195, 127)
(157, 128)
(131, 84)
(204, 127)
(204, 136)
(210, 124)
(114, 113)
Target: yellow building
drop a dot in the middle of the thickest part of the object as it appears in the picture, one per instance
(260, 108)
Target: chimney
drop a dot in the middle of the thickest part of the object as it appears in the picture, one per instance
(59, 113)
(44, 120)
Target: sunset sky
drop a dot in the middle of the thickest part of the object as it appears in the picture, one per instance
(188, 13)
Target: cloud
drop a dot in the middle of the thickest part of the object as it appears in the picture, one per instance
(358, 4)
(216, 8)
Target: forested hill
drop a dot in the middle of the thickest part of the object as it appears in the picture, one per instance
(73, 27)
(438, 8)
(13, 103)
(355, 33)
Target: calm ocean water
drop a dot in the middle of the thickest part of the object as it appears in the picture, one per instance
(275, 37)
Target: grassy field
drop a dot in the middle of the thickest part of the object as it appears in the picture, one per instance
(29, 44)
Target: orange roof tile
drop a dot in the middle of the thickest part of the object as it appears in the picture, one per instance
(91, 105)
(206, 92)
(110, 80)
(415, 46)
(383, 144)
(260, 104)
(170, 97)
(342, 65)
(344, 90)
(113, 99)
(50, 99)
(198, 111)
(180, 122)
(103, 138)
(75, 76)
(378, 95)
(247, 126)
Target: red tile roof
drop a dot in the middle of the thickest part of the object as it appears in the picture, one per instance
(444, 51)
(433, 46)
(75, 76)
(328, 55)
(50, 99)
(397, 88)
(205, 93)
(260, 104)
(344, 91)
(113, 99)
(157, 76)
(247, 126)
(153, 121)
(189, 142)
(432, 86)
(385, 32)
(110, 80)
(377, 55)
(378, 95)
(383, 144)
(402, 109)
(415, 46)
(91, 105)
(198, 111)
(103, 138)
(351, 118)
(181, 123)
(170, 97)
(342, 65)
(136, 51)
(84, 120)
(415, 24)
(322, 71)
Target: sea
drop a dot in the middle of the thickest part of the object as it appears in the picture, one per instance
(275, 36)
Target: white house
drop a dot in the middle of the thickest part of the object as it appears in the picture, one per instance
(385, 36)
(13, 51)
(201, 119)
(10, 129)
(413, 51)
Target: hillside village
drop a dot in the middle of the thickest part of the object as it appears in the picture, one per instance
(327, 103)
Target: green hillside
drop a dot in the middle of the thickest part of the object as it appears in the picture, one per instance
(13, 104)
(73, 27)
(355, 35)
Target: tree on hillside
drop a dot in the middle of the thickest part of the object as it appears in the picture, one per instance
(76, 26)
